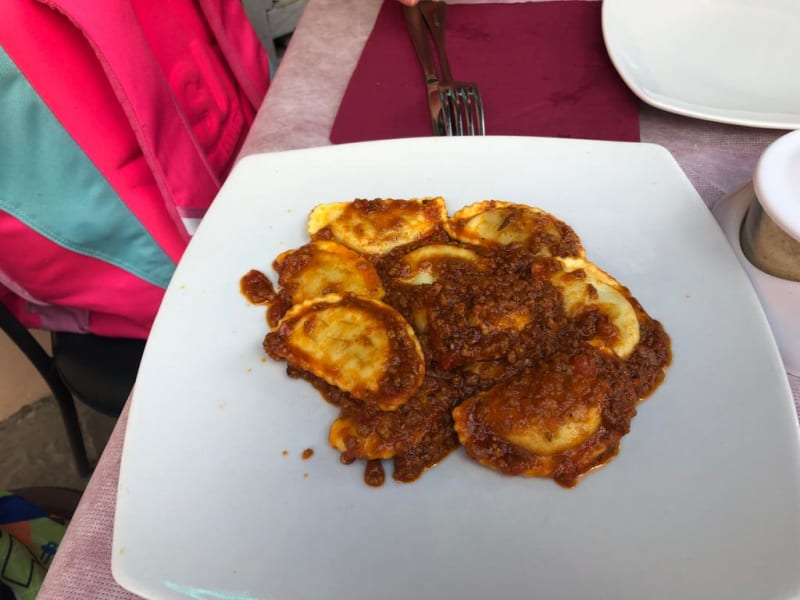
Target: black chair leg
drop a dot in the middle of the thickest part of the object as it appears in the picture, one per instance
(69, 415)
(46, 368)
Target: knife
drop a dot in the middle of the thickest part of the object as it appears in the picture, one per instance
(418, 32)
(434, 13)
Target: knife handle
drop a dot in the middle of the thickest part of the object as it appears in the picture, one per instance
(434, 15)
(419, 37)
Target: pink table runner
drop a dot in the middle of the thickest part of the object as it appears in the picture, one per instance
(299, 112)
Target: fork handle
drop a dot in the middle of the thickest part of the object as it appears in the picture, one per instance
(434, 13)
(419, 37)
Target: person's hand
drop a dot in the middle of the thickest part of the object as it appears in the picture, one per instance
(410, 2)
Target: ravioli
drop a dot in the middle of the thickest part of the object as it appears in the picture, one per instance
(375, 227)
(423, 265)
(324, 267)
(535, 421)
(493, 223)
(360, 345)
(583, 286)
(362, 432)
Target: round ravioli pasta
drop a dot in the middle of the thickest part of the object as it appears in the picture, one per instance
(584, 286)
(497, 224)
(325, 267)
(375, 227)
(362, 431)
(361, 346)
(547, 421)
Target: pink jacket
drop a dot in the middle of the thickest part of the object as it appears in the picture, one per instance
(120, 118)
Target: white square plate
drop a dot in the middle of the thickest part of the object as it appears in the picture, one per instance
(732, 61)
(702, 502)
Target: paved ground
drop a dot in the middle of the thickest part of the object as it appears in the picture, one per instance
(34, 450)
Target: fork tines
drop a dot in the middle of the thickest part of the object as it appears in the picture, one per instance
(462, 110)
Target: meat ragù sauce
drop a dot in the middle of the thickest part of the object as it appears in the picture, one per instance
(256, 287)
(374, 475)
(528, 381)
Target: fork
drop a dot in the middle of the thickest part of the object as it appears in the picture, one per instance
(462, 106)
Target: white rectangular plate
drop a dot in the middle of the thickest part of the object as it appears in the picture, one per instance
(732, 61)
(702, 502)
